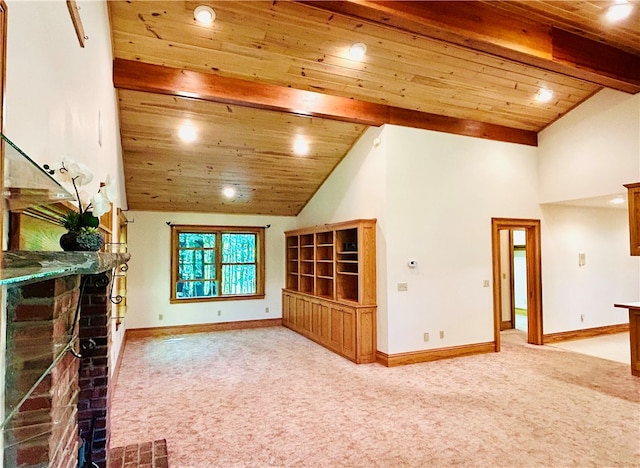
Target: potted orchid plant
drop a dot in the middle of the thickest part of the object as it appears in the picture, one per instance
(82, 225)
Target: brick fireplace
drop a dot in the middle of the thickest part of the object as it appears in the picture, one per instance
(58, 323)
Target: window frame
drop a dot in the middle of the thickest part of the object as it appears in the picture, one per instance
(177, 229)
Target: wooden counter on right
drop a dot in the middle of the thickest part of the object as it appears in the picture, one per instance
(634, 334)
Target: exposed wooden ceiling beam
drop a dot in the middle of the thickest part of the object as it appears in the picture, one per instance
(133, 75)
(484, 28)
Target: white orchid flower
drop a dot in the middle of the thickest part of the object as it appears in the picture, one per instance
(69, 170)
(79, 172)
(109, 190)
(100, 204)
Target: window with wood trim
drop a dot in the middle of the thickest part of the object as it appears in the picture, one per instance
(211, 263)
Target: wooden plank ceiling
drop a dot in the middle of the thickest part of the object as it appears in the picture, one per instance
(266, 74)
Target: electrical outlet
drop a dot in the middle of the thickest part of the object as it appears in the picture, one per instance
(485, 283)
(403, 287)
(266, 310)
(582, 317)
(219, 313)
(441, 334)
(160, 316)
(426, 336)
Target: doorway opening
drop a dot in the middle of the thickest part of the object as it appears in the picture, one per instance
(513, 279)
(517, 278)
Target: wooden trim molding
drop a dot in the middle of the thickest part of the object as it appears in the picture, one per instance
(218, 231)
(633, 204)
(74, 11)
(534, 275)
(135, 333)
(585, 333)
(427, 355)
(118, 365)
(506, 325)
(3, 60)
(137, 76)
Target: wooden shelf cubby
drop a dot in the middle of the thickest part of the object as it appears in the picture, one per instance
(330, 289)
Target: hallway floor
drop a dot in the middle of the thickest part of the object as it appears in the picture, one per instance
(612, 347)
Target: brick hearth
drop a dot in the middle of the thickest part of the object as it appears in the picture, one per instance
(145, 455)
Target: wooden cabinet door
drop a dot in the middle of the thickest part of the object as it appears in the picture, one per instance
(286, 309)
(335, 331)
(325, 323)
(342, 337)
(366, 339)
(349, 332)
(315, 319)
(306, 316)
(299, 313)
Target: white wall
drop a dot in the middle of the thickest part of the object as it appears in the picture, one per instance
(609, 275)
(55, 90)
(443, 191)
(520, 279)
(149, 275)
(356, 188)
(593, 150)
(590, 152)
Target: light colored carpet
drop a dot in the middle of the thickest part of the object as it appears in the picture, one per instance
(269, 397)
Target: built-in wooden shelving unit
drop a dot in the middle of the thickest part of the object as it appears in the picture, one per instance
(330, 287)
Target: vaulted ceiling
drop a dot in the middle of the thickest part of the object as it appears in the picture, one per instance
(267, 74)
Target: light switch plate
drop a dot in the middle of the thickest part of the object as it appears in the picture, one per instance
(582, 259)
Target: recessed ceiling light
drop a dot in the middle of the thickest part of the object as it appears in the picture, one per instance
(619, 10)
(204, 14)
(187, 133)
(300, 147)
(229, 192)
(544, 95)
(617, 201)
(357, 51)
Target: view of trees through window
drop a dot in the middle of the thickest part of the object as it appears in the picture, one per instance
(216, 263)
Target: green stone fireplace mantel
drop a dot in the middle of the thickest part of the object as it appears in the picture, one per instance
(22, 267)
